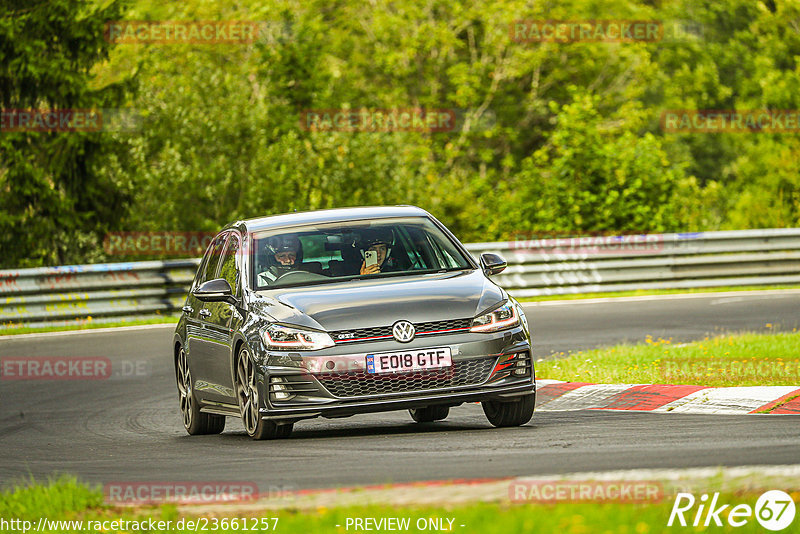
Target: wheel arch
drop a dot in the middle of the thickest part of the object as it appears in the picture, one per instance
(177, 343)
(238, 342)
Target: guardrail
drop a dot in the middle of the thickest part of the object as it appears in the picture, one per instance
(649, 261)
(52, 295)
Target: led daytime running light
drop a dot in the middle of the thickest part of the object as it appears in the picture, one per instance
(495, 325)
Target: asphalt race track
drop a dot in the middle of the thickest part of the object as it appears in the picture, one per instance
(128, 428)
(580, 325)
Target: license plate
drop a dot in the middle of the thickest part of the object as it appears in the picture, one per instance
(410, 360)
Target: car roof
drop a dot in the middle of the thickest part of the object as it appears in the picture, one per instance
(331, 215)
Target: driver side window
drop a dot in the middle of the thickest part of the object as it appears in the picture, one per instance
(229, 270)
(211, 259)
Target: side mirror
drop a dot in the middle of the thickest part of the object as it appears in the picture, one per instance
(217, 290)
(492, 263)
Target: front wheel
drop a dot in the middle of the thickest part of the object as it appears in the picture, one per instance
(247, 393)
(194, 421)
(429, 414)
(515, 413)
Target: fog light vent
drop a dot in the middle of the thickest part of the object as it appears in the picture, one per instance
(278, 390)
(523, 365)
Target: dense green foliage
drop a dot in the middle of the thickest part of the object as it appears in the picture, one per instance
(553, 137)
(54, 201)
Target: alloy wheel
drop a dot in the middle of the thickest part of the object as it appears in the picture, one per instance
(185, 389)
(247, 392)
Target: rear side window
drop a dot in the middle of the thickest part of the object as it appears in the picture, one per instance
(212, 258)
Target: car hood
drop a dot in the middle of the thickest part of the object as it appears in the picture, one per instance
(382, 301)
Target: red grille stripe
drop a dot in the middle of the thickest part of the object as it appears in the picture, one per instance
(350, 340)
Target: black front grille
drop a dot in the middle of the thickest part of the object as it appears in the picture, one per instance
(428, 328)
(359, 334)
(360, 383)
(451, 324)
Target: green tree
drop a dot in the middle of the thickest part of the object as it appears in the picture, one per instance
(54, 203)
(597, 174)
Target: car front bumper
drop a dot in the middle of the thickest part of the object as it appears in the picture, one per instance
(348, 408)
(483, 369)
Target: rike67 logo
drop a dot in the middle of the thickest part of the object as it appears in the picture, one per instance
(774, 510)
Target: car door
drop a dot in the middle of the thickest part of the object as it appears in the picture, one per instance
(198, 340)
(219, 324)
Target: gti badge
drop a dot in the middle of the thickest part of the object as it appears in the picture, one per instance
(403, 331)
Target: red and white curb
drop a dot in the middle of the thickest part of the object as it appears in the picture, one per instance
(556, 396)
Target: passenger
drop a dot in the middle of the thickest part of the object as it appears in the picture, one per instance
(285, 254)
(379, 241)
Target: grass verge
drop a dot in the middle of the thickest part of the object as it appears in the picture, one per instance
(731, 360)
(646, 292)
(88, 324)
(66, 500)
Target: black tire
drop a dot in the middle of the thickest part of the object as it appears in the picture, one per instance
(249, 404)
(429, 414)
(284, 431)
(514, 413)
(194, 421)
(266, 429)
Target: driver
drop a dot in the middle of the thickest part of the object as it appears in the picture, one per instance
(284, 254)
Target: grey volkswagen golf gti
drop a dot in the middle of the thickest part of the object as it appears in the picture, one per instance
(340, 312)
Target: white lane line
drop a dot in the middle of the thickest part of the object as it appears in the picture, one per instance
(603, 300)
(726, 300)
(727, 400)
(584, 397)
(11, 337)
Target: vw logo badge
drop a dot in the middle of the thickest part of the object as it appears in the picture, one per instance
(403, 331)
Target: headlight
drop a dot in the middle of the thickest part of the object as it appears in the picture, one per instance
(503, 317)
(279, 337)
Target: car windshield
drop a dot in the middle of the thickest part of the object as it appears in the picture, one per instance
(335, 252)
